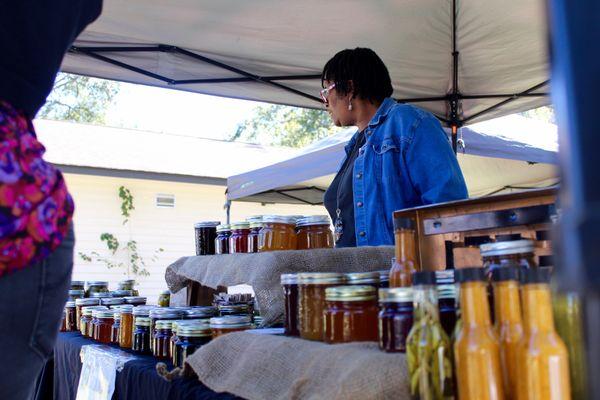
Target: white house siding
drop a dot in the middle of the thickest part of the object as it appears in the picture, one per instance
(98, 211)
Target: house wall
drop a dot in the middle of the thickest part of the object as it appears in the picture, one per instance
(98, 210)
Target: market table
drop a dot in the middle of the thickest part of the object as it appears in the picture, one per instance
(137, 380)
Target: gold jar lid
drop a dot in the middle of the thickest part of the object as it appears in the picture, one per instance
(351, 293)
(280, 219)
(358, 278)
(194, 330)
(240, 225)
(320, 278)
(143, 321)
(396, 295)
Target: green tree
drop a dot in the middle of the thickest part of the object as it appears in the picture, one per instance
(285, 126)
(79, 99)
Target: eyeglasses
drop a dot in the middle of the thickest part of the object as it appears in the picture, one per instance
(325, 93)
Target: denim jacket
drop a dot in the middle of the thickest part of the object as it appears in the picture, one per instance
(407, 161)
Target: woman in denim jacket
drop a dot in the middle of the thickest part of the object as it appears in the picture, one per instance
(399, 158)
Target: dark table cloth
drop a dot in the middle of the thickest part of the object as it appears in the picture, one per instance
(137, 380)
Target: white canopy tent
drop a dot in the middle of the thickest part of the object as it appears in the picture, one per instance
(463, 60)
(499, 155)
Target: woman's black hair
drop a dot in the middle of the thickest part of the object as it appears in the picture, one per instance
(369, 75)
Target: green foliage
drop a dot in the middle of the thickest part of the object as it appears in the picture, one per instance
(135, 264)
(79, 99)
(285, 126)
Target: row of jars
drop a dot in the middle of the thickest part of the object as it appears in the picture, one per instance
(82, 289)
(264, 233)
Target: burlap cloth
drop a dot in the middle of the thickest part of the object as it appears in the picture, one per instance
(263, 271)
(266, 367)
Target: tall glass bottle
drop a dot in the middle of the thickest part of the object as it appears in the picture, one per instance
(508, 325)
(406, 261)
(428, 349)
(543, 360)
(476, 350)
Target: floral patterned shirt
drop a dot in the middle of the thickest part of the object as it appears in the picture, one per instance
(35, 206)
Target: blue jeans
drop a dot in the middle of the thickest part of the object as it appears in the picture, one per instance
(31, 306)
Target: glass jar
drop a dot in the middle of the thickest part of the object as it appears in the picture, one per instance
(314, 232)
(112, 301)
(447, 307)
(231, 323)
(206, 233)
(135, 300)
(234, 309)
(63, 322)
(428, 348)
(406, 260)
(71, 316)
(103, 325)
(189, 339)
(77, 285)
(238, 241)
(127, 284)
(363, 278)
(88, 318)
(75, 294)
(277, 233)
(351, 314)
(164, 300)
(141, 312)
(161, 314)
(126, 329)
(311, 302)
(162, 339)
(116, 326)
(395, 318)
(255, 227)
(384, 279)
(141, 336)
(222, 239)
(289, 282)
(96, 287)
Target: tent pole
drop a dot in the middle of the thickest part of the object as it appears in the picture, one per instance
(454, 98)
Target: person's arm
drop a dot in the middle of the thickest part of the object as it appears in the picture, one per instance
(432, 165)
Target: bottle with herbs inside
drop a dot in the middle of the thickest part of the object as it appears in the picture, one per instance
(428, 349)
(476, 349)
(406, 261)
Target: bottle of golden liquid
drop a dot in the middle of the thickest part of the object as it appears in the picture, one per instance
(543, 366)
(509, 325)
(406, 261)
(476, 350)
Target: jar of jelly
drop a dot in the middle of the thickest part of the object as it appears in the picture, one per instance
(395, 318)
(103, 326)
(206, 233)
(311, 302)
(159, 314)
(116, 326)
(363, 278)
(278, 233)
(141, 336)
(162, 339)
(190, 337)
(351, 314)
(164, 300)
(289, 282)
(91, 327)
(314, 232)
(75, 294)
(80, 303)
(135, 300)
(238, 241)
(447, 306)
(77, 285)
(234, 309)
(112, 301)
(84, 322)
(222, 239)
(96, 287)
(71, 316)
(384, 279)
(255, 227)
(126, 327)
(230, 323)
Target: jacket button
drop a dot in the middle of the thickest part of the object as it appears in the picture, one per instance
(359, 204)
(362, 233)
(359, 176)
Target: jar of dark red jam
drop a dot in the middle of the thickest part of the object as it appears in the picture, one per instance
(71, 316)
(238, 241)
(351, 314)
(141, 336)
(222, 239)
(395, 318)
(255, 227)
(206, 233)
(162, 339)
(289, 282)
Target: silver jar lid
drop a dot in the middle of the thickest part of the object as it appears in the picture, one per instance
(201, 312)
(121, 293)
(224, 228)
(444, 277)
(230, 321)
(112, 301)
(320, 278)
(165, 313)
(289, 279)
(103, 313)
(314, 220)
(164, 324)
(360, 278)
(77, 283)
(506, 248)
(87, 302)
(142, 311)
(384, 275)
(76, 292)
(70, 304)
(279, 219)
(396, 295)
(90, 309)
(135, 299)
(207, 224)
(100, 295)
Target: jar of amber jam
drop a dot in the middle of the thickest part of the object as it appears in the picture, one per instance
(314, 232)
(71, 316)
(222, 239)
(395, 318)
(103, 325)
(311, 302)
(162, 339)
(141, 336)
(238, 241)
(289, 282)
(351, 314)
(231, 323)
(116, 326)
(255, 227)
(126, 327)
(190, 337)
(278, 233)
(85, 321)
(384, 279)
(206, 233)
(363, 278)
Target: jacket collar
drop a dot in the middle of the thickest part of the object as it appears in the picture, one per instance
(378, 118)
